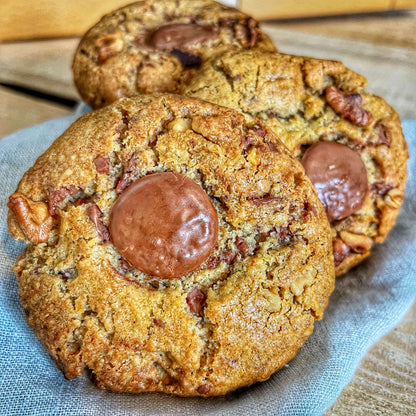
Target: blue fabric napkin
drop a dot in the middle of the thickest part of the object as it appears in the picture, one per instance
(367, 303)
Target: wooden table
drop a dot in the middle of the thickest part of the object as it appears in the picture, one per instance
(382, 47)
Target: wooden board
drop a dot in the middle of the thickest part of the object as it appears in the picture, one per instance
(18, 111)
(29, 19)
(40, 65)
(266, 9)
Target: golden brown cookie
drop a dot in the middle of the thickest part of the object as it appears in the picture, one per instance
(156, 45)
(172, 246)
(349, 141)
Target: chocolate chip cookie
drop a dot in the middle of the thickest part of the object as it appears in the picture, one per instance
(156, 45)
(349, 141)
(172, 246)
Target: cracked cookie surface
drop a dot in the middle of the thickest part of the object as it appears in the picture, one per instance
(233, 321)
(154, 46)
(306, 101)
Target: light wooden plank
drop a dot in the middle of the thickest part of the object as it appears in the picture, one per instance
(18, 111)
(394, 29)
(40, 65)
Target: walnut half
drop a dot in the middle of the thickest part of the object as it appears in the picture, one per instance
(348, 106)
(358, 243)
(33, 217)
(109, 46)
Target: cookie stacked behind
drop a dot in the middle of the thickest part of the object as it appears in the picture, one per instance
(155, 46)
(349, 141)
(173, 246)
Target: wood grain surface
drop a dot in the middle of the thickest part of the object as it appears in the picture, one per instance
(385, 382)
(397, 29)
(48, 18)
(391, 72)
(265, 9)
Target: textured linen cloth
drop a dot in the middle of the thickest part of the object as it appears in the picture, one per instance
(367, 303)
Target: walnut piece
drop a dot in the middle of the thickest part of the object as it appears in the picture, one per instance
(273, 298)
(33, 217)
(229, 256)
(265, 200)
(358, 243)
(109, 46)
(259, 130)
(380, 188)
(348, 106)
(125, 180)
(246, 30)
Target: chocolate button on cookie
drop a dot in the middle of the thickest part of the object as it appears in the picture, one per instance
(339, 176)
(156, 45)
(173, 246)
(350, 142)
(164, 225)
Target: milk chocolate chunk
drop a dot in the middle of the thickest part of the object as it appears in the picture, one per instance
(164, 224)
(180, 35)
(341, 251)
(187, 59)
(339, 176)
(109, 46)
(247, 32)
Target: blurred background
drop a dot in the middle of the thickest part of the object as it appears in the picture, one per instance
(376, 38)
(28, 19)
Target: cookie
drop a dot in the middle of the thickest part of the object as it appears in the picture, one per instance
(172, 246)
(349, 141)
(156, 45)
